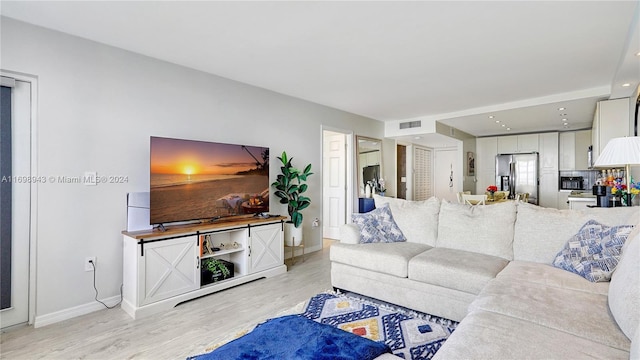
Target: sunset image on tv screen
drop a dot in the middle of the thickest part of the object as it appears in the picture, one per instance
(192, 180)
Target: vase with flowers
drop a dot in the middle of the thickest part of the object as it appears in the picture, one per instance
(626, 193)
(491, 189)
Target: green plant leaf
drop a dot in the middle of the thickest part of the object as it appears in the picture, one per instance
(303, 205)
(307, 169)
(296, 218)
(283, 158)
(303, 188)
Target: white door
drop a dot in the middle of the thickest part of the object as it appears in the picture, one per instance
(267, 247)
(422, 185)
(15, 309)
(334, 183)
(447, 178)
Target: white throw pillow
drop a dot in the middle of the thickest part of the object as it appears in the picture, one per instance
(418, 220)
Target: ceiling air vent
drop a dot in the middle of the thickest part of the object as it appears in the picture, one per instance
(410, 124)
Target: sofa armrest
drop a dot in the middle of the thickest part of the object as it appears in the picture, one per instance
(349, 234)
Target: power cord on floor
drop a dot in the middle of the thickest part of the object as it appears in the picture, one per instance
(96, 289)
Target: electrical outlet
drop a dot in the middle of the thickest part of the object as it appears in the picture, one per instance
(87, 263)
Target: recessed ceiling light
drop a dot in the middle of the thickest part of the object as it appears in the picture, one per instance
(491, 116)
(508, 129)
(563, 114)
(503, 125)
(638, 53)
(497, 121)
(565, 119)
(560, 109)
(565, 124)
(626, 85)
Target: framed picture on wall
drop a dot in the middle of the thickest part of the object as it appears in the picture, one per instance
(471, 164)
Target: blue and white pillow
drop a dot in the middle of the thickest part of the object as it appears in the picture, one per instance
(594, 251)
(378, 226)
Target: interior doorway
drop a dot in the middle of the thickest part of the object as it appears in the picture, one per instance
(401, 174)
(336, 181)
(16, 194)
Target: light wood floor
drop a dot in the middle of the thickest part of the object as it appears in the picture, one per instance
(186, 330)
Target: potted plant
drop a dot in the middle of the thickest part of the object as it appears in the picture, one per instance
(215, 270)
(290, 185)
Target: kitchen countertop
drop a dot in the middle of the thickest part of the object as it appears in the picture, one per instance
(581, 196)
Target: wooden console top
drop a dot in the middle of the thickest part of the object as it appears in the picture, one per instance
(202, 227)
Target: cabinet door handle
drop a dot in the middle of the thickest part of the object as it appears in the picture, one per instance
(249, 250)
(198, 262)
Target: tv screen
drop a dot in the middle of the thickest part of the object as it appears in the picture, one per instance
(200, 180)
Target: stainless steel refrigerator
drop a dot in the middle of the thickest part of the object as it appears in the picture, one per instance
(518, 173)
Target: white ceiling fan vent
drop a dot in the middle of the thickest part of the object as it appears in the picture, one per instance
(411, 124)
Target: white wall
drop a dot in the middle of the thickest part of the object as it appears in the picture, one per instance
(97, 107)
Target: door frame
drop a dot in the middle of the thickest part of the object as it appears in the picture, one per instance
(33, 188)
(350, 161)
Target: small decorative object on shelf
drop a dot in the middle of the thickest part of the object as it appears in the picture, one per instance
(215, 270)
(492, 191)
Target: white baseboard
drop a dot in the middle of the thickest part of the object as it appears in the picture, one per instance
(48, 319)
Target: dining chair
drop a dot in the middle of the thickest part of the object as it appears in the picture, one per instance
(524, 197)
(474, 199)
(459, 196)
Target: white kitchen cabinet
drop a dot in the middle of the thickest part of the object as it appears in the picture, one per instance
(582, 143)
(518, 143)
(507, 144)
(548, 164)
(563, 200)
(370, 158)
(611, 120)
(574, 146)
(578, 204)
(567, 154)
(486, 151)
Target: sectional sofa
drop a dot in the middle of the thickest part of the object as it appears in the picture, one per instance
(490, 267)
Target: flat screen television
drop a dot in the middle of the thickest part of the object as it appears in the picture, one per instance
(200, 180)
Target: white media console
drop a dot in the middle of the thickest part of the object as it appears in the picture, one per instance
(162, 269)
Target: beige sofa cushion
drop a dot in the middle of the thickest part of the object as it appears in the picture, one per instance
(624, 291)
(520, 271)
(487, 335)
(388, 258)
(578, 313)
(455, 269)
(418, 220)
(541, 232)
(483, 229)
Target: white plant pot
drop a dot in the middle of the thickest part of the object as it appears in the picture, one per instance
(292, 234)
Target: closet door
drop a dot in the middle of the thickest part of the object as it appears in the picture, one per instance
(422, 173)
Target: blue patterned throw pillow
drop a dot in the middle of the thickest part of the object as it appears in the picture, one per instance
(378, 226)
(594, 251)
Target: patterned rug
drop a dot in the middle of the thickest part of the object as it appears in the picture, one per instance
(409, 334)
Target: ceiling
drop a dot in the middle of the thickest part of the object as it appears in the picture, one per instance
(456, 62)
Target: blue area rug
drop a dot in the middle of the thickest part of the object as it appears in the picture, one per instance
(409, 334)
